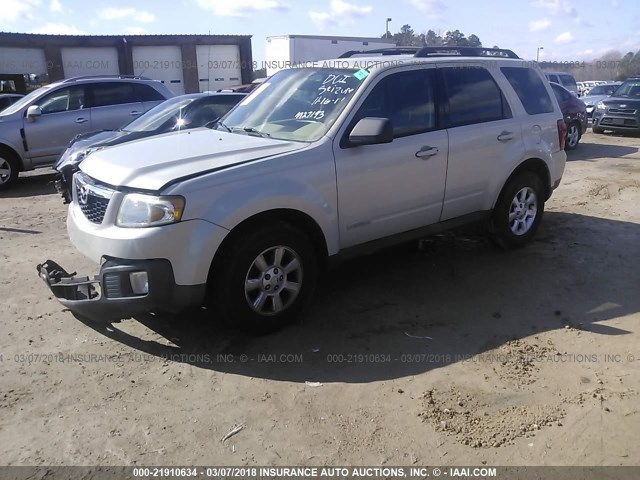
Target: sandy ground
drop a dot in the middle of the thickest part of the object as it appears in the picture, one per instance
(450, 353)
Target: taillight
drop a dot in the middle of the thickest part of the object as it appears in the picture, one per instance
(562, 133)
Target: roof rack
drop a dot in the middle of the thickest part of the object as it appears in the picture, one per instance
(464, 51)
(383, 51)
(94, 77)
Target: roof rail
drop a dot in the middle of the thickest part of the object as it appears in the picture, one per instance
(382, 51)
(465, 51)
(96, 77)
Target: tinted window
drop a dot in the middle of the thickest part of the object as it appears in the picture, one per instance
(561, 94)
(407, 99)
(473, 96)
(530, 89)
(553, 78)
(63, 100)
(105, 94)
(568, 81)
(147, 93)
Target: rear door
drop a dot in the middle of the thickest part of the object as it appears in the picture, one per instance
(394, 187)
(484, 138)
(64, 115)
(113, 104)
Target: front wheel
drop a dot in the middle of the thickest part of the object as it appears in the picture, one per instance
(265, 278)
(519, 210)
(597, 130)
(8, 171)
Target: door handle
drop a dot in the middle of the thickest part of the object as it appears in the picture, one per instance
(505, 136)
(135, 112)
(427, 151)
(81, 120)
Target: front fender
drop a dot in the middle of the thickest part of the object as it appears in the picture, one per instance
(303, 181)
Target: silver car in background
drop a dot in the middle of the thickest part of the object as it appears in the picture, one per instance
(597, 94)
(36, 129)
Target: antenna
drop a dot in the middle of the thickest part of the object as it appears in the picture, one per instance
(209, 67)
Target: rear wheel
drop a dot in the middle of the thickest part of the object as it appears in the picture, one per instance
(519, 210)
(265, 279)
(8, 171)
(573, 136)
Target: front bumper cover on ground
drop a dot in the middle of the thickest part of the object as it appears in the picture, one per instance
(110, 295)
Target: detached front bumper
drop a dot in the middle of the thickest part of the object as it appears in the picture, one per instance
(114, 293)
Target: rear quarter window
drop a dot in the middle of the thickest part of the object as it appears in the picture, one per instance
(530, 89)
(147, 93)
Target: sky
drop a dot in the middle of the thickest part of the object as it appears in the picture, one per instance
(566, 29)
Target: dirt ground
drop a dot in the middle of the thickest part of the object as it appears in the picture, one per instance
(447, 353)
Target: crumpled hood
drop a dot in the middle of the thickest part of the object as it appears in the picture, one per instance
(151, 163)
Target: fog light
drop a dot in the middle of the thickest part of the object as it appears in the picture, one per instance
(139, 282)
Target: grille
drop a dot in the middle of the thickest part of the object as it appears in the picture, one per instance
(92, 199)
(628, 111)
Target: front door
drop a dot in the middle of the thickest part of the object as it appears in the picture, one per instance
(395, 187)
(63, 117)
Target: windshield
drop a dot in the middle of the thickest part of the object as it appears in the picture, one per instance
(295, 104)
(629, 89)
(603, 90)
(24, 101)
(168, 114)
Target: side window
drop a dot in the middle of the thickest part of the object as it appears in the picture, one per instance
(63, 100)
(407, 99)
(530, 89)
(105, 94)
(146, 93)
(474, 96)
(553, 78)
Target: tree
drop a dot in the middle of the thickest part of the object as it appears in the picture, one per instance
(474, 41)
(432, 39)
(406, 37)
(456, 39)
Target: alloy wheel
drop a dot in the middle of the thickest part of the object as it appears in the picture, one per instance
(273, 281)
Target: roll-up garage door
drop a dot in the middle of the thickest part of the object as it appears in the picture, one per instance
(160, 63)
(81, 61)
(218, 66)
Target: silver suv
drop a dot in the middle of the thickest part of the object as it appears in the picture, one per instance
(36, 129)
(319, 162)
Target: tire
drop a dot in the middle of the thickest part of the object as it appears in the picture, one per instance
(574, 134)
(241, 266)
(597, 130)
(8, 171)
(516, 201)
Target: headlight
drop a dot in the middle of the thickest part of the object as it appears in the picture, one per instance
(601, 107)
(139, 210)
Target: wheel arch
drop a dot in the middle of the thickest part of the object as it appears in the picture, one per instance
(535, 165)
(294, 218)
(10, 151)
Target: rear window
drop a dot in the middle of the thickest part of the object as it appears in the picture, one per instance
(568, 81)
(530, 89)
(474, 96)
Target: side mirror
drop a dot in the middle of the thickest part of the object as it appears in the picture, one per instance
(371, 131)
(32, 112)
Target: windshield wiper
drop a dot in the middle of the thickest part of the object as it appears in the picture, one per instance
(253, 131)
(216, 124)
